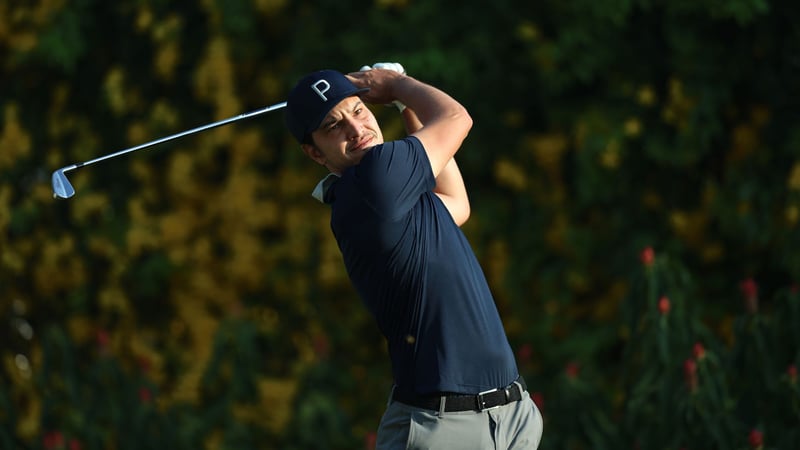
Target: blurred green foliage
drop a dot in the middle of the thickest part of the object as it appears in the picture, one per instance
(635, 182)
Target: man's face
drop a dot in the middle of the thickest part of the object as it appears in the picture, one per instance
(345, 135)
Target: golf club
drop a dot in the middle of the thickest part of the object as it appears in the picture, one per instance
(63, 188)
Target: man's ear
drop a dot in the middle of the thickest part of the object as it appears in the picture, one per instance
(313, 152)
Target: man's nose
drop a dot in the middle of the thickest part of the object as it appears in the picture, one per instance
(353, 128)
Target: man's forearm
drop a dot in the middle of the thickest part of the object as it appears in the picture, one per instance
(411, 121)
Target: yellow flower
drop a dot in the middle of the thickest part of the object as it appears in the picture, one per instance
(510, 175)
(792, 214)
(633, 127)
(177, 226)
(712, 252)
(271, 7)
(528, 31)
(14, 140)
(555, 234)
(610, 157)
(114, 87)
(745, 142)
(89, 205)
(646, 96)
(548, 150)
(144, 19)
(114, 299)
(793, 183)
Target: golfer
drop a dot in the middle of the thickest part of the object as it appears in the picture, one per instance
(396, 208)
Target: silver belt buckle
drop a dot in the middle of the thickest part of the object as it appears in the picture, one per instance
(482, 402)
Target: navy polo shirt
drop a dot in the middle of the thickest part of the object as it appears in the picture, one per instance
(417, 274)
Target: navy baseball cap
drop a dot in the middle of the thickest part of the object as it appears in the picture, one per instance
(313, 97)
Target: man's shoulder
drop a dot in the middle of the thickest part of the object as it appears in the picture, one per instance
(385, 153)
(403, 143)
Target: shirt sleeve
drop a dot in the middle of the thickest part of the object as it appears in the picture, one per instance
(393, 176)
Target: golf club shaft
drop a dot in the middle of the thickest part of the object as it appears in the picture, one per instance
(178, 135)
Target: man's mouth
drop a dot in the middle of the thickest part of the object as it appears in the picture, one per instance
(362, 144)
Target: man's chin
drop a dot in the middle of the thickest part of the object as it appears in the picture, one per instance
(360, 150)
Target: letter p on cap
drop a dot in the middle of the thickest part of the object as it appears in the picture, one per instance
(321, 87)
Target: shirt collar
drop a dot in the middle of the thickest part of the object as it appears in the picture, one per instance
(322, 187)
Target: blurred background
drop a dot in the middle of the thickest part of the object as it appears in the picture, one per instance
(634, 172)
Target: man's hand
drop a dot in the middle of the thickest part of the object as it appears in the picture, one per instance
(396, 67)
(380, 83)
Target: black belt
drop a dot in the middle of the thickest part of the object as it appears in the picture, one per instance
(465, 402)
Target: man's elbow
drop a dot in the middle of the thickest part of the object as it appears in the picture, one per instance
(465, 121)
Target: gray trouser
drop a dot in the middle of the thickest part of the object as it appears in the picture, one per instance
(517, 425)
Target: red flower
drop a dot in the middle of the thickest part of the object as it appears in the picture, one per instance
(103, 341)
(749, 287)
(538, 398)
(663, 305)
(370, 440)
(756, 438)
(647, 256)
(572, 370)
(53, 440)
(690, 373)
(792, 372)
(321, 345)
(144, 364)
(145, 396)
(525, 353)
(749, 290)
(698, 351)
(75, 444)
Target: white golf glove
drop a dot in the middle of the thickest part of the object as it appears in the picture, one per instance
(397, 67)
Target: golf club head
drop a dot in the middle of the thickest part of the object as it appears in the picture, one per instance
(61, 185)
